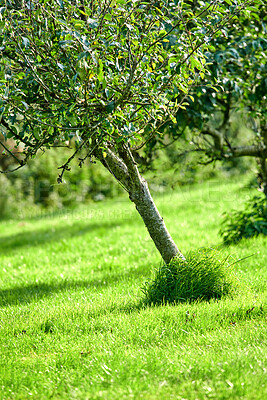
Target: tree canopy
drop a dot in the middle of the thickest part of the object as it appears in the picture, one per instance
(237, 70)
(101, 71)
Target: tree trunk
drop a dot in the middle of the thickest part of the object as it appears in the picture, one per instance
(263, 175)
(124, 169)
(264, 159)
(154, 222)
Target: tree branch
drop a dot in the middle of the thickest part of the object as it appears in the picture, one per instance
(217, 138)
(251, 151)
(114, 164)
(12, 154)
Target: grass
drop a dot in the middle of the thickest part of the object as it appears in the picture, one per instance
(71, 321)
(205, 274)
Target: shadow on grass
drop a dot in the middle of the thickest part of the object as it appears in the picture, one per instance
(55, 234)
(34, 292)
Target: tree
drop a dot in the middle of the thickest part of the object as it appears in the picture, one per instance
(243, 76)
(235, 85)
(100, 73)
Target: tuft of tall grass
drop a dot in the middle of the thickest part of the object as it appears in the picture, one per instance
(206, 274)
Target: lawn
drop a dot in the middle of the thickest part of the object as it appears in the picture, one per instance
(72, 325)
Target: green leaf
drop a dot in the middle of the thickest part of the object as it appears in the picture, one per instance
(108, 17)
(173, 119)
(100, 74)
(110, 107)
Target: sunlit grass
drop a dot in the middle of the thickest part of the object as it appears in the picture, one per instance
(203, 275)
(73, 325)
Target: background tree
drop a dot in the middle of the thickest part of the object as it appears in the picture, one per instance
(233, 89)
(100, 72)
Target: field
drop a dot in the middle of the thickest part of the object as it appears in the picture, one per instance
(72, 324)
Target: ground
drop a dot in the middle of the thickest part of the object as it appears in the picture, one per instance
(71, 321)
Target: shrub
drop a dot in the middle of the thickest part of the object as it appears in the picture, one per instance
(4, 195)
(205, 275)
(35, 185)
(245, 223)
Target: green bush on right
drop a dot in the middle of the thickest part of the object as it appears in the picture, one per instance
(239, 224)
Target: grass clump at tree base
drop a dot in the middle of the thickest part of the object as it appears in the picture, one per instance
(206, 274)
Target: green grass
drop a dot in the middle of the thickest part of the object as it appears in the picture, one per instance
(71, 321)
(203, 275)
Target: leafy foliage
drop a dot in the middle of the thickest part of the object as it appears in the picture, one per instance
(246, 223)
(101, 72)
(234, 85)
(205, 275)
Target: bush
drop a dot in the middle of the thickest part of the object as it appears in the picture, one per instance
(78, 186)
(247, 223)
(35, 185)
(4, 195)
(205, 275)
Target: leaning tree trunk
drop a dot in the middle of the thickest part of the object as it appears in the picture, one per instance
(125, 170)
(154, 223)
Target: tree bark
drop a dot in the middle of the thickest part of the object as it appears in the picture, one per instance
(154, 223)
(124, 169)
(258, 150)
(263, 160)
(263, 175)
